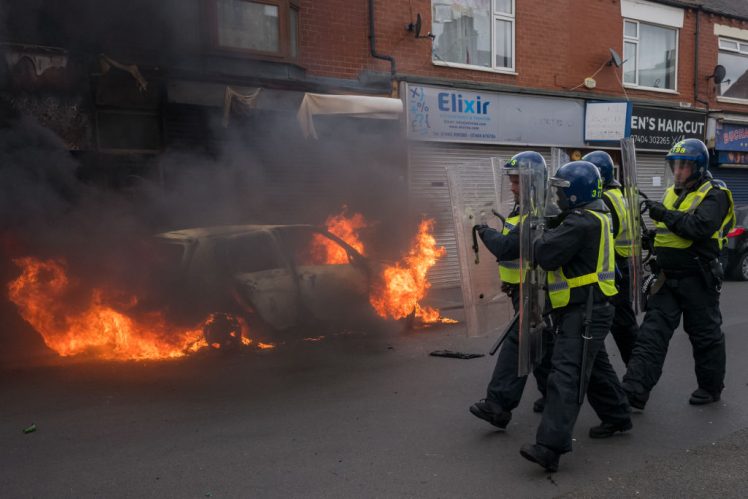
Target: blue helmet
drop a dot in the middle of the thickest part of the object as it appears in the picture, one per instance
(604, 163)
(578, 183)
(530, 160)
(692, 151)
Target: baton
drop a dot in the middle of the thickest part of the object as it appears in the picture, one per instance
(475, 244)
(504, 334)
(586, 337)
(501, 217)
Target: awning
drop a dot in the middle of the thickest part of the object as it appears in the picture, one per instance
(357, 106)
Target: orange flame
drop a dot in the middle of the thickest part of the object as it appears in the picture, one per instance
(41, 293)
(346, 228)
(405, 283)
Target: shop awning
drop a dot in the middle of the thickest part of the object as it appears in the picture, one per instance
(357, 106)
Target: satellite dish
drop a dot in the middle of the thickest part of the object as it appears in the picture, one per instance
(615, 59)
(719, 74)
(419, 23)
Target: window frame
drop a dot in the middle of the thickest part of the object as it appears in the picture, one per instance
(738, 51)
(494, 16)
(636, 41)
(285, 50)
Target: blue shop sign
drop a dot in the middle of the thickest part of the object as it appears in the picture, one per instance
(730, 137)
(732, 158)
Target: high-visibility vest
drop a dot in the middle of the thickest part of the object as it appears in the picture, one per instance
(623, 238)
(665, 238)
(509, 270)
(559, 286)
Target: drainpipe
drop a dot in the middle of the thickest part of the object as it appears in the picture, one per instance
(696, 61)
(373, 43)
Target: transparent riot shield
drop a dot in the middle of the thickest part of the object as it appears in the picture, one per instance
(474, 191)
(532, 186)
(634, 222)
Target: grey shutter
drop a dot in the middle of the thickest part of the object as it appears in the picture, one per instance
(427, 182)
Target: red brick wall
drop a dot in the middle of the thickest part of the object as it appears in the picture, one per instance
(558, 44)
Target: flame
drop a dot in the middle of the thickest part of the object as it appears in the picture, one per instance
(347, 228)
(405, 284)
(41, 293)
(265, 346)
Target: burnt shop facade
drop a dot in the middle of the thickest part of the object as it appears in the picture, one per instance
(448, 126)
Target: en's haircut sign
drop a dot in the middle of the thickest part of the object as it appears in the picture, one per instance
(654, 128)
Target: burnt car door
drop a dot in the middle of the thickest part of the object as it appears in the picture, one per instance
(333, 278)
(263, 282)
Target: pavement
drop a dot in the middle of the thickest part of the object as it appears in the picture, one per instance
(367, 413)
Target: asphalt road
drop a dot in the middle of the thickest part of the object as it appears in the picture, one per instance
(365, 414)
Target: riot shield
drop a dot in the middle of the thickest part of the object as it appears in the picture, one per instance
(532, 187)
(474, 191)
(633, 226)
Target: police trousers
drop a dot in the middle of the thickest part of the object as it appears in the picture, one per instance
(625, 327)
(604, 391)
(506, 387)
(699, 304)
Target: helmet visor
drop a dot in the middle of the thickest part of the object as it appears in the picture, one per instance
(682, 170)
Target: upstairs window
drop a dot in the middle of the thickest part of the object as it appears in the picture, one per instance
(474, 33)
(733, 55)
(650, 53)
(261, 27)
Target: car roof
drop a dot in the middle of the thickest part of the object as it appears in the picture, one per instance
(226, 231)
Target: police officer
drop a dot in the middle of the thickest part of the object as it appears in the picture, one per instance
(690, 223)
(578, 255)
(505, 387)
(624, 327)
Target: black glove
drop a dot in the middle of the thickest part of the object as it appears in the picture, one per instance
(481, 229)
(656, 210)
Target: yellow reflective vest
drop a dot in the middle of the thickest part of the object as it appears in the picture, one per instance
(559, 286)
(624, 237)
(665, 238)
(509, 270)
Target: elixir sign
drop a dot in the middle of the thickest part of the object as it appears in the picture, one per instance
(654, 128)
(452, 115)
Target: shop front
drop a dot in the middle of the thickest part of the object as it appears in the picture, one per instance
(449, 126)
(730, 155)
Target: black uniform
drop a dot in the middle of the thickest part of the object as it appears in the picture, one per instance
(625, 327)
(505, 388)
(689, 289)
(573, 246)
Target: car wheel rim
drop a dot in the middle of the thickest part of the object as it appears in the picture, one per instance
(744, 268)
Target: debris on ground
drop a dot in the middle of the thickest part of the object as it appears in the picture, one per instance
(455, 355)
(30, 429)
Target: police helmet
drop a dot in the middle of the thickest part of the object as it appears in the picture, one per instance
(604, 163)
(577, 183)
(693, 152)
(530, 160)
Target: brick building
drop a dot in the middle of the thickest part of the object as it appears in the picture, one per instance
(553, 76)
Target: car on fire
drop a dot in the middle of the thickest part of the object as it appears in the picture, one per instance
(735, 252)
(273, 276)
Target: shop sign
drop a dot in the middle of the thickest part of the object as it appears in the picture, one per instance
(728, 137)
(654, 128)
(449, 114)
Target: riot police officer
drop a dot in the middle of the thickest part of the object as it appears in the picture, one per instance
(691, 220)
(624, 327)
(578, 254)
(505, 387)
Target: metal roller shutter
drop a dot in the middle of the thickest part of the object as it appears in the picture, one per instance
(648, 167)
(737, 180)
(427, 181)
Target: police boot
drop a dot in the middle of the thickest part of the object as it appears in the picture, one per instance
(541, 455)
(538, 405)
(491, 412)
(606, 430)
(701, 397)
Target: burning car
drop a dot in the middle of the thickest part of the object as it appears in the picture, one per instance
(276, 276)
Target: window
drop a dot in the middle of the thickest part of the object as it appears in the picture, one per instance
(476, 33)
(262, 27)
(733, 55)
(651, 55)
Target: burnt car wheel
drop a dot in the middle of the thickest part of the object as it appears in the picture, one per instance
(223, 332)
(741, 268)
